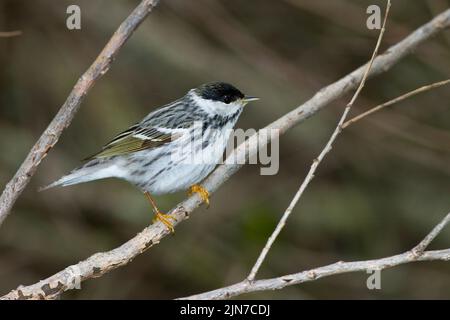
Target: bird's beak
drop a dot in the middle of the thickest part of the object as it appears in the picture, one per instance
(248, 99)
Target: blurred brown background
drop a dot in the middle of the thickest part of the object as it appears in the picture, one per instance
(383, 187)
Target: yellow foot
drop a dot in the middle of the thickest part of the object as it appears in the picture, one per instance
(165, 219)
(202, 192)
(159, 216)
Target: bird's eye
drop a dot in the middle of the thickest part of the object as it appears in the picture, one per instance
(227, 99)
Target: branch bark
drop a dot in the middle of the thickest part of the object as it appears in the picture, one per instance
(68, 110)
(101, 263)
(418, 253)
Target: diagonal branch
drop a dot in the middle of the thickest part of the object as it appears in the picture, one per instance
(101, 263)
(394, 101)
(423, 245)
(68, 110)
(416, 254)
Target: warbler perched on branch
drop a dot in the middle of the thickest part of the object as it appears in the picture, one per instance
(160, 154)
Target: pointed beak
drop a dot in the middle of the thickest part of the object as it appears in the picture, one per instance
(248, 99)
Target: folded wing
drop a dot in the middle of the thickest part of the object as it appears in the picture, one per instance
(134, 139)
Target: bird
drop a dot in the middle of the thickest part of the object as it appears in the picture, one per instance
(172, 149)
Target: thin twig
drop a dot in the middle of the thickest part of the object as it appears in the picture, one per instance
(393, 101)
(423, 245)
(9, 34)
(68, 110)
(102, 263)
(416, 254)
(319, 159)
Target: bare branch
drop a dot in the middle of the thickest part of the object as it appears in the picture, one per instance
(393, 101)
(416, 254)
(65, 115)
(317, 273)
(319, 159)
(101, 263)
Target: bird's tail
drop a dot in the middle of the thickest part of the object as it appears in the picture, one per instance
(93, 170)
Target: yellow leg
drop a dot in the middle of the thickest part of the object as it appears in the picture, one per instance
(159, 216)
(202, 192)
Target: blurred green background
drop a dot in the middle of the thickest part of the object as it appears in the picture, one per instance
(383, 187)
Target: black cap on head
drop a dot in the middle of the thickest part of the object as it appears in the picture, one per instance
(219, 91)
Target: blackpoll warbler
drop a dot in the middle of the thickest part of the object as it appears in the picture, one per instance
(160, 154)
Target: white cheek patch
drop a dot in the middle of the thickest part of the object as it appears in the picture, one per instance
(216, 107)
